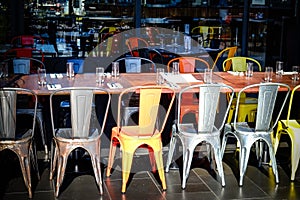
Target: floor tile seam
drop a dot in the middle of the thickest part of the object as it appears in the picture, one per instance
(157, 186)
(106, 189)
(210, 189)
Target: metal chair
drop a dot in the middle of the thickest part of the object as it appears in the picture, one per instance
(248, 104)
(147, 133)
(192, 133)
(227, 53)
(291, 127)
(137, 65)
(134, 65)
(18, 140)
(84, 133)
(24, 65)
(134, 44)
(188, 65)
(263, 127)
(239, 63)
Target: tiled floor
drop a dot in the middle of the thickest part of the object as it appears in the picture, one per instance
(258, 184)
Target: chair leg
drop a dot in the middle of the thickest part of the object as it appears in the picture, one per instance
(54, 157)
(243, 161)
(295, 156)
(273, 158)
(218, 159)
(62, 163)
(160, 168)
(97, 171)
(24, 162)
(111, 157)
(126, 167)
(171, 152)
(33, 158)
(187, 160)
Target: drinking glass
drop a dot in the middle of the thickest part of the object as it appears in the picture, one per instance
(70, 69)
(42, 76)
(99, 74)
(295, 75)
(115, 69)
(159, 77)
(175, 68)
(207, 75)
(268, 74)
(249, 71)
(279, 68)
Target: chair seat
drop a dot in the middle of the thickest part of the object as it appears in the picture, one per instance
(191, 129)
(66, 133)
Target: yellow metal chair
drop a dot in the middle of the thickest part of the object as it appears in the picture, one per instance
(248, 105)
(147, 133)
(206, 32)
(292, 128)
(227, 53)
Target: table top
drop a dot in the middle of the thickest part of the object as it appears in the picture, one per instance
(134, 79)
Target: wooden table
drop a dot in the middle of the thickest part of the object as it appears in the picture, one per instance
(135, 79)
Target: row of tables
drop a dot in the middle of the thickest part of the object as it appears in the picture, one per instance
(134, 79)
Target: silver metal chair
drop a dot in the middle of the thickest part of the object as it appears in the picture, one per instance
(24, 65)
(263, 127)
(18, 141)
(134, 65)
(137, 64)
(84, 133)
(204, 128)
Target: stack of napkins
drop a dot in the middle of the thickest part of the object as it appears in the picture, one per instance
(56, 76)
(114, 85)
(53, 86)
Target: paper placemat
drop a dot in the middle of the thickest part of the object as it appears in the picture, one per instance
(56, 76)
(180, 78)
(114, 85)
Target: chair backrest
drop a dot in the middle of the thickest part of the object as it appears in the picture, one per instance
(291, 104)
(26, 40)
(83, 116)
(152, 114)
(23, 65)
(137, 64)
(135, 43)
(267, 97)
(227, 53)
(189, 64)
(208, 104)
(8, 107)
(239, 63)
(24, 52)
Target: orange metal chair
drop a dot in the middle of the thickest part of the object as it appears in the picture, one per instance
(147, 133)
(134, 44)
(227, 53)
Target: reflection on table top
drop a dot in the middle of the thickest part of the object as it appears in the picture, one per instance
(135, 79)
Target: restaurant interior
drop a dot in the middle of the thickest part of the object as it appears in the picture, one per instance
(184, 38)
